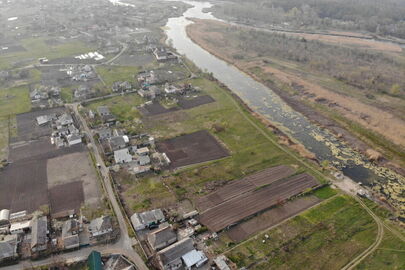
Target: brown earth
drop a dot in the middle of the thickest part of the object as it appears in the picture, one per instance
(238, 187)
(270, 218)
(368, 116)
(241, 207)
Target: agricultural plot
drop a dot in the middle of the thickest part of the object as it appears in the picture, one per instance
(238, 208)
(238, 187)
(194, 102)
(27, 128)
(327, 236)
(270, 218)
(155, 109)
(66, 197)
(192, 148)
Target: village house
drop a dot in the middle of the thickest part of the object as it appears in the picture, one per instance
(162, 54)
(161, 238)
(146, 219)
(170, 258)
(100, 227)
(118, 142)
(104, 133)
(121, 86)
(122, 156)
(70, 234)
(39, 231)
(8, 248)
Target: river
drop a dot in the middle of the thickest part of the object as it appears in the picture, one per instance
(324, 144)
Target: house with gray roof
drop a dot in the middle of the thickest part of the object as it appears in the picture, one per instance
(122, 156)
(103, 110)
(8, 248)
(170, 258)
(100, 226)
(161, 238)
(143, 220)
(39, 238)
(70, 234)
(104, 133)
(117, 143)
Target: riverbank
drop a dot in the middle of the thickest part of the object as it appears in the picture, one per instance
(395, 158)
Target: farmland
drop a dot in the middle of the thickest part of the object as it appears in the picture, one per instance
(316, 239)
(241, 207)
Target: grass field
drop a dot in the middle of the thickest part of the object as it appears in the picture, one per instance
(14, 101)
(111, 74)
(37, 48)
(324, 237)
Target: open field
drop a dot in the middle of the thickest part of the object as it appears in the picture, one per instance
(192, 148)
(111, 74)
(66, 197)
(236, 209)
(14, 100)
(75, 167)
(325, 237)
(35, 48)
(238, 187)
(270, 218)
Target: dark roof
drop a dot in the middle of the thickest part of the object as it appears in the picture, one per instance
(176, 251)
(117, 142)
(39, 229)
(161, 236)
(94, 261)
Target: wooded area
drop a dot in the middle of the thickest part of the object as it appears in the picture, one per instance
(385, 17)
(363, 69)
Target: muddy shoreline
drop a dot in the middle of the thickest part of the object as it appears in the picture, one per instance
(313, 115)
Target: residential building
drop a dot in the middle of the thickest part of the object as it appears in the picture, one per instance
(143, 160)
(74, 139)
(170, 258)
(4, 217)
(94, 261)
(8, 248)
(100, 226)
(220, 263)
(194, 258)
(104, 133)
(20, 227)
(70, 234)
(118, 142)
(161, 238)
(122, 156)
(143, 220)
(39, 230)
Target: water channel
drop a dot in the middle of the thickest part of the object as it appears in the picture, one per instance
(324, 144)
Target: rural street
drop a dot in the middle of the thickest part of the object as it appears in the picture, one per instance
(125, 242)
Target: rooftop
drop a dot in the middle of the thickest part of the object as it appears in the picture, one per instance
(176, 251)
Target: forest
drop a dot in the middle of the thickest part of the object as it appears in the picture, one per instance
(379, 17)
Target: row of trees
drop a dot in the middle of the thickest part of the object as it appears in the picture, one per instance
(380, 17)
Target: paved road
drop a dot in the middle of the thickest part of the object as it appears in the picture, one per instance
(125, 242)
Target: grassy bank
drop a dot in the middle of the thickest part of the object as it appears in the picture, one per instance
(325, 237)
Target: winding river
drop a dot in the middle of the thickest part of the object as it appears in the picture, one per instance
(324, 144)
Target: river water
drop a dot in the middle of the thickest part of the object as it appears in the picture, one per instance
(324, 144)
